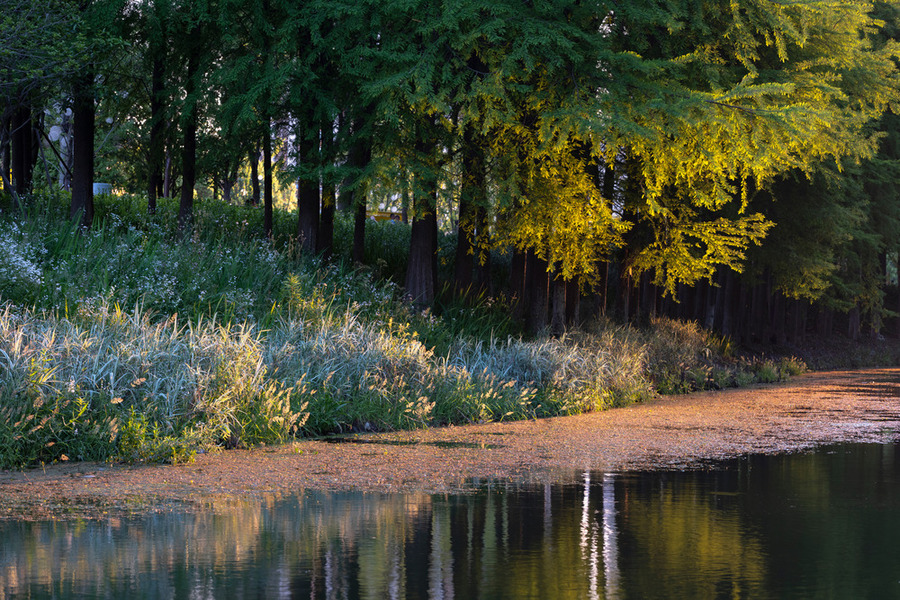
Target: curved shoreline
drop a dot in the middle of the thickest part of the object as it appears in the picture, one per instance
(669, 432)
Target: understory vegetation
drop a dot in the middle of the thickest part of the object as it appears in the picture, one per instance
(125, 343)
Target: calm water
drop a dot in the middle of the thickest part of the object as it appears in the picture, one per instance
(818, 525)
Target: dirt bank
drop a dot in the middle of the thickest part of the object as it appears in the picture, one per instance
(670, 432)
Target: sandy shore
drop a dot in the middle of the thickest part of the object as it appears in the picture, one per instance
(670, 432)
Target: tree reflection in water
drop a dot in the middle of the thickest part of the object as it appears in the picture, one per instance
(817, 524)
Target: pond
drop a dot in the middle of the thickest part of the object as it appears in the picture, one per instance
(822, 524)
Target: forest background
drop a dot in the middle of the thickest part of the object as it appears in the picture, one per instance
(555, 167)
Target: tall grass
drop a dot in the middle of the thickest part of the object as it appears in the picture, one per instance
(127, 342)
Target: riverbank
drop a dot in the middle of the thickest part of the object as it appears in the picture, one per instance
(670, 432)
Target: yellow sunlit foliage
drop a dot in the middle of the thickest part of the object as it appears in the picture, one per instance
(709, 103)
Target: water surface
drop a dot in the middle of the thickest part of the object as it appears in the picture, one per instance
(823, 524)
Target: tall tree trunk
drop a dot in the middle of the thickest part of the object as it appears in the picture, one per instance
(421, 275)
(404, 202)
(768, 314)
(420, 271)
(625, 289)
(854, 327)
(573, 302)
(268, 199)
(897, 309)
(359, 228)
(189, 152)
(557, 306)
(602, 299)
(22, 149)
(254, 177)
(325, 235)
(482, 251)
(168, 180)
(538, 283)
(5, 158)
(518, 276)
(360, 156)
(83, 150)
(726, 326)
(155, 162)
(308, 193)
(758, 313)
(779, 318)
(471, 209)
(231, 175)
(713, 304)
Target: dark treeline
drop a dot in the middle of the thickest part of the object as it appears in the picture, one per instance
(733, 163)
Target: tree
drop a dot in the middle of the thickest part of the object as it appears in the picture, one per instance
(196, 29)
(37, 51)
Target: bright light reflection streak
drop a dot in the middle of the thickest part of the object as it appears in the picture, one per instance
(610, 537)
(589, 539)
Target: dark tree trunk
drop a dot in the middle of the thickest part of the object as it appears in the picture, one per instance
(896, 320)
(755, 324)
(779, 318)
(603, 294)
(517, 279)
(769, 310)
(625, 293)
(325, 238)
(714, 301)
(83, 150)
(854, 323)
(268, 200)
(794, 321)
(648, 297)
(464, 262)
(308, 194)
(189, 152)
(254, 178)
(420, 272)
(325, 235)
(557, 306)
(573, 302)
(726, 327)
(482, 251)
(23, 148)
(168, 180)
(155, 162)
(231, 175)
(359, 229)
(698, 311)
(471, 209)
(537, 292)
(740, 309)
(360, 155)
(824, 320)
(5, 158)
(404, 203)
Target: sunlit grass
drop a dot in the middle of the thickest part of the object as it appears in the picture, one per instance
(129, 342)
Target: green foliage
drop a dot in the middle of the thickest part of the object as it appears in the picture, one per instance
(142, 441)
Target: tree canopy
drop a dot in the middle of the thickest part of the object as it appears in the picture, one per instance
(671, 136)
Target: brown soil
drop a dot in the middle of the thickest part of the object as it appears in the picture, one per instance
(670, 432)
